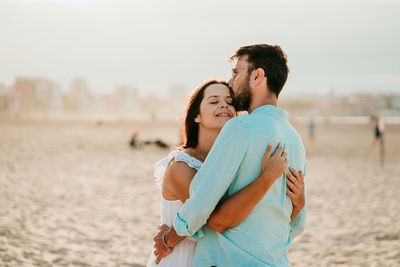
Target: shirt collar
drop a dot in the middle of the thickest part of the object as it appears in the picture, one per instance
(272, 110)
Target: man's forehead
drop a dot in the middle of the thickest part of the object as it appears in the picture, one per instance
(241, 61)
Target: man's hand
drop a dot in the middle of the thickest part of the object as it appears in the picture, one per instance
(295, 190)
(160, 250)
(274, 166)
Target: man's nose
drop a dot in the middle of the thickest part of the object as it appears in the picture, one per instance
(230, 83)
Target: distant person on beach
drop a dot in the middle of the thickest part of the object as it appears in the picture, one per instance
(240, 207)
(135, 143)
(311, 130)
(379, 128)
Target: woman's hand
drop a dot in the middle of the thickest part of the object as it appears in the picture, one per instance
(295, 190)
(160, 250)
(274, 166)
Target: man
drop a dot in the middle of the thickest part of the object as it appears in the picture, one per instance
(262, 239)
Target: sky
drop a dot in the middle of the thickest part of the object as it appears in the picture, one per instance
(342, 46)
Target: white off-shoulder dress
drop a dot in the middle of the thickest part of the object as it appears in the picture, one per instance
(183, 253)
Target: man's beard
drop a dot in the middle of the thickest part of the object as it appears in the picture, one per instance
(243, 97)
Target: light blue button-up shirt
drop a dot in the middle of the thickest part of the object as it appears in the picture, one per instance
(234, 161)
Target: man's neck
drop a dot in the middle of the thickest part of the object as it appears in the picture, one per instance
(256, 103)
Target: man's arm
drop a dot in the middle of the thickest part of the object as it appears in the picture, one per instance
(233, 210)
(213, 179)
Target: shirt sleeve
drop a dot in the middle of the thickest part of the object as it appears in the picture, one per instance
(297, 226)
(213, 179)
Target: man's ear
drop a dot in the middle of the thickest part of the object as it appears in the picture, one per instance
(259, 76)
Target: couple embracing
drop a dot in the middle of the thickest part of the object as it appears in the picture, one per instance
(233, 194)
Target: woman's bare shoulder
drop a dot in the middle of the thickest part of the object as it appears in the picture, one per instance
(178, 170)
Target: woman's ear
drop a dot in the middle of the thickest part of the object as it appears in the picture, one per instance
(197, 119)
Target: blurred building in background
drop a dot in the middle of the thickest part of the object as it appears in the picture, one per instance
(38, 96)
(6, 99)
(78, 98)
(350, 105)
(127, 99)
(178, 97)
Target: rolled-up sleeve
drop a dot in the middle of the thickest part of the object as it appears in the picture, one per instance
(213, 179)
(298, 224)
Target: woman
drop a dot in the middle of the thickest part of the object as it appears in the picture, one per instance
(210, 107)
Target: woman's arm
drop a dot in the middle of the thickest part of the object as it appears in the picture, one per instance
(177, 179)
(176, 184)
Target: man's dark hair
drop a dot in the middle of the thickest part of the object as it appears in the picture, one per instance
(271, 59)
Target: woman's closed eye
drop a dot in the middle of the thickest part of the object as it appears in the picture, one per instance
(216, 102)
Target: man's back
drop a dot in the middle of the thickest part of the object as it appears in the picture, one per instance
(262, 239)
(264, 234)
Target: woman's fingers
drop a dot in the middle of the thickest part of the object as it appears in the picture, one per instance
(301, 177)
(160, 257)
(286, 164)
(292, 178)
(164, 227)
(298, 176)
(295, 173)
(270, 148)
(290, 194)
(299, 180)
(279, 151)
(290, 184)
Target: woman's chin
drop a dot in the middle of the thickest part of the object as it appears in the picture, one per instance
(224, 120)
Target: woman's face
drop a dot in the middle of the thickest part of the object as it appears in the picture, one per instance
(216, 107)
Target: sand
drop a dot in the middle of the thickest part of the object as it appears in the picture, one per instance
(75, 194)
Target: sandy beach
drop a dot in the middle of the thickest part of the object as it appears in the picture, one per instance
(76, 194)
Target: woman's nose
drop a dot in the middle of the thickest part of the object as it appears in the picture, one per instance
(223, 104)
